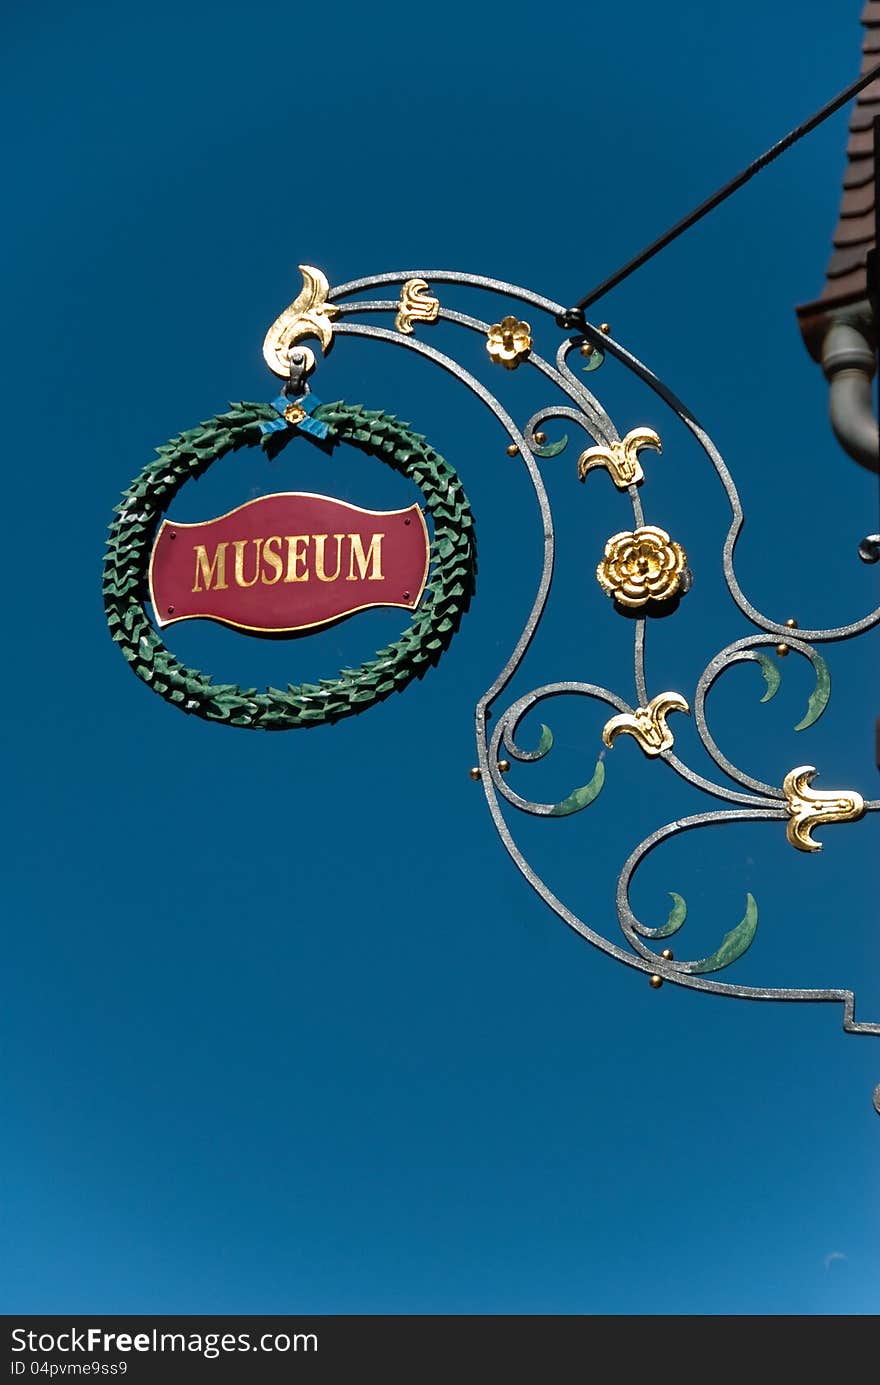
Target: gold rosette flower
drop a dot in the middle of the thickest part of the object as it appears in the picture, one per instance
(641, 566)
(509, 342)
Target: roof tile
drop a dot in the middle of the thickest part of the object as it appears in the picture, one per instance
(848, 288)
(855, 230)
(861, 142)
(864, 115)
(857, 201)
(859, 172)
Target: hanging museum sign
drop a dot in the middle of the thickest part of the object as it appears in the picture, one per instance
(286, 564)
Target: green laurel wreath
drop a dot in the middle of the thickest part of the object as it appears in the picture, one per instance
(447, 594)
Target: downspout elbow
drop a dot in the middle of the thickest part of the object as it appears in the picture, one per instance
(849, 362)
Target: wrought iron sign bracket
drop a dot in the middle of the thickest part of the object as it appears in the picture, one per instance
(643, 569)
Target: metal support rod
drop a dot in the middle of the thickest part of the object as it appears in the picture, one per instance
(573, 317)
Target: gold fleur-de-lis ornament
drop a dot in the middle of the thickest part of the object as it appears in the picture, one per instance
(647, 724)
(809, 807)
(620, 459)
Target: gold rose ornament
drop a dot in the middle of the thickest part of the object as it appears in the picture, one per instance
(641, 566)
(509, 342)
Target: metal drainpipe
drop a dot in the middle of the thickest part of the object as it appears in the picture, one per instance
(849, 361)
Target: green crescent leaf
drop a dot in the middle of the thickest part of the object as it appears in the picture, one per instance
(735, 943)
(677, 916)
(545, 743)
(772, 675)
(582, 797)
(819, 696)
(594, 360)
(552, 449)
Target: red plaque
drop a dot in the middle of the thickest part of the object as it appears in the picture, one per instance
(288, 562)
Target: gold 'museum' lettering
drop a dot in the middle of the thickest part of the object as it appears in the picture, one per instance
(294, 557)
(273, 559)
(320, 570)
(269, 561)
(373, 554)
(210, 572)
(239, 545)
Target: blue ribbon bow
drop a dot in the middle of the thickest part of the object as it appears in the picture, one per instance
(313, 426)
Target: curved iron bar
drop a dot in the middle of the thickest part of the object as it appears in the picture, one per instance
(505, 731)
(840, 632)
(448, 276)
(672, 971)
(511, 718)
(593, 418)
(473, 384)
(559, 411)
(708, 786)
(639, 657)
(576, 387)
(738, 652)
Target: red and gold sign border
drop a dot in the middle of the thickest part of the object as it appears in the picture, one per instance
(413, 509)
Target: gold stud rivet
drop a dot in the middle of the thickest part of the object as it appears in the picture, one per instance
(540, 439)
(667, 954)
(512, 449)
(475, 772)
(504, 766)
(782, 649)
(655, 982)
(587, 348)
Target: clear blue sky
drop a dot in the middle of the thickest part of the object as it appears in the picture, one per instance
(282, 1027)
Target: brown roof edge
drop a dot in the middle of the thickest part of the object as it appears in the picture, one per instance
(846, 279)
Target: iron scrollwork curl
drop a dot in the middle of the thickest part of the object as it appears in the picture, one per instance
(794, 803)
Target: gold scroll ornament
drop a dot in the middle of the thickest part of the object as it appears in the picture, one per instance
(416, 305)
(309, 315)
